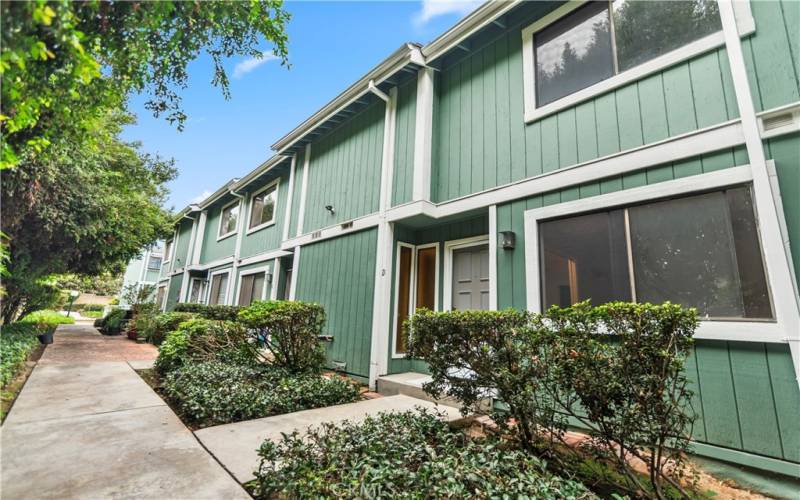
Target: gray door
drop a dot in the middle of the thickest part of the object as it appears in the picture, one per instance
(471, 278)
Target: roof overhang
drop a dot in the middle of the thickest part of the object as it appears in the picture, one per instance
(259, 172)
(484, 15)
(216, 195)
(408, 54)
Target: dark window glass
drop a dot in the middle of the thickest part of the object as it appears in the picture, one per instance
(262, 210)
(403, 298)
(219, 289)
(426, 278)
(646, 30)
(251, 289)
(583, 258)
(685, 251)
(573, 53)
(154, 263)
(230, 217)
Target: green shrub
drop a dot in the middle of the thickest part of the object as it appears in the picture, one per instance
(290, 331)
(217, 392)
(94, 307)
(217, 312)
(112, 323)
(92, 314)
(47, 317)
(17, 341)
(164, 323)
(616, 369)
(402, 455)
(205, 340)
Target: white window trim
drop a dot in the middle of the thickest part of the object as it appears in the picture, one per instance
(412, 288)
(201, 296)
(276, 185)
(263, 269)
(227, 292)
(168, 250)
(219, 224)
(447, 279)
(745, 25)
(755, 331)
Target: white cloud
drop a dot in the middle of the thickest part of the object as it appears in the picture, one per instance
(202, 196)
(252, 63)
(436, 8)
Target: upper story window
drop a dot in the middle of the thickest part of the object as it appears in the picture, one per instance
(154, 263)
(262, 208)
(229, 220)
(699, 251)
(582, 44)
(167, 251)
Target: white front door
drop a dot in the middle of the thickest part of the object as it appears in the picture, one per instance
(471, 277)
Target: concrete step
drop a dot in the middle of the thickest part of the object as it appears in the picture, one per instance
(410, 384)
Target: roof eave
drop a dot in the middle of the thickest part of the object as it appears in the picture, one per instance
(254, 174)
(408, 53)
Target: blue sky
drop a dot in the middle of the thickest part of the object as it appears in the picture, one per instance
(331, 45)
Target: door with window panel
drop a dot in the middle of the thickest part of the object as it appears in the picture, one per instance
(416, 286)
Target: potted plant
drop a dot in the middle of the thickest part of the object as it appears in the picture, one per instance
(46, 335)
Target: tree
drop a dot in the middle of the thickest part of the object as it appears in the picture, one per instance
(65, 64)
(81, 212)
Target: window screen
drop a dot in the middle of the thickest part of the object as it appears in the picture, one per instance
(251, 289)
(229, 219)
(699, 251)
(219, 289)
(262, 209)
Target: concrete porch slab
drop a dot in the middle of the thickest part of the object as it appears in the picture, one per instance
(235, 445)
(410, 384)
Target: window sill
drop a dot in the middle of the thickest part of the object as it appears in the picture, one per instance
(226, 235)
(532, 113)
(260, 227)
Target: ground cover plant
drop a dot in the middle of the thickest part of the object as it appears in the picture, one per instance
(47, 317)
(615, 370)
(267, 362)
(403, 455)
(17, 342)
(218, 392)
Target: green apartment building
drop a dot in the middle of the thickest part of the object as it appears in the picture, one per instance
(543, 153)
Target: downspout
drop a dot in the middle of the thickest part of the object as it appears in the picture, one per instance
(238, 249)
(379, 345)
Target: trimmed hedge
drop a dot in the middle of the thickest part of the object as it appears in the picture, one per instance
(218, 392)
(17, 341)
(111, 324)
(402, 455)
(217, 312)
(198, 340)
(47, 317)
(162, 324)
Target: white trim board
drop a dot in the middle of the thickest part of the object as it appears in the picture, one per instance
(254, 259)
(447, 279)
(287, 211)
(761, 331)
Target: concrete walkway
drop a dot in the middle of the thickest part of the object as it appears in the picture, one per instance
(235, 445)
(87, 426)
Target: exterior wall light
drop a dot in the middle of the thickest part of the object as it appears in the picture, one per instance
(330, 209)
(508, 240)
(269, 277)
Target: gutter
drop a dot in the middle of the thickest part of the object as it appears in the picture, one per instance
(408, 53)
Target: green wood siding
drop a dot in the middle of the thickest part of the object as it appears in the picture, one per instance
(339, 274)
(173, 291)
(441, 233)
(181, 251)
(786, 153)
(268, 238)
(403, 175)
(345, 170)
(480, 139)
(772, 54)
(212, 249)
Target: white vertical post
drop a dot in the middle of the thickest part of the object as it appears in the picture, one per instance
(787, 309)
(276, 270)
(198, 241)
(295, 273)
(287, 215)
(423, 134)
(493, 257)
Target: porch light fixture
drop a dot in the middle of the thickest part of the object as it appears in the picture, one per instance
(330, 209)
(269, 277)
(507, 240)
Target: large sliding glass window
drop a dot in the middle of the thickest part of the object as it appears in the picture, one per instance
(699, 251)
(604, 38)
(197, 290)
(252, 288)
(219, 289)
